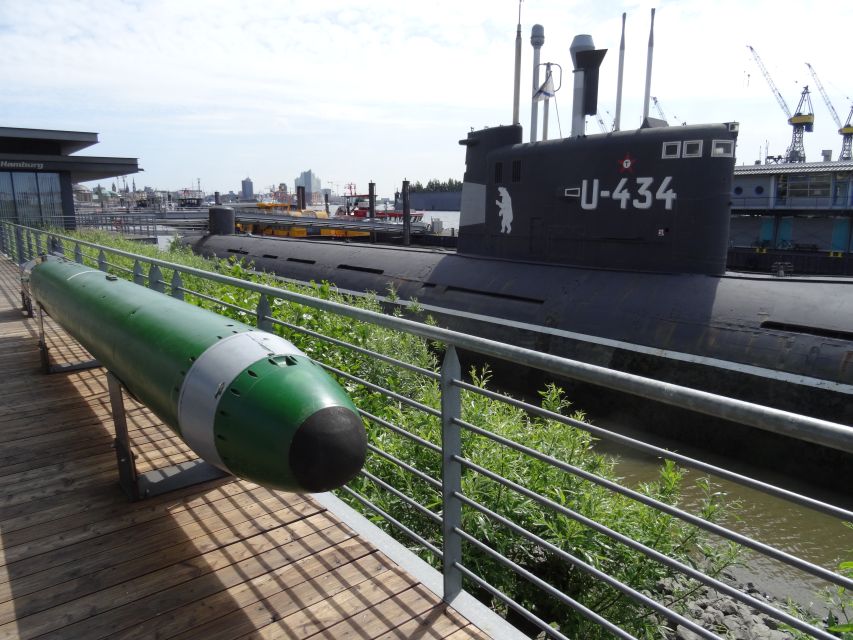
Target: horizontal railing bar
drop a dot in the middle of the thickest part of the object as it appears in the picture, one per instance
(512, 604)
(406, 530)
(651, 553)
(624, 588)
(755, 545)
(352, 347)
(823, 432)
(386, 392)
(417, 472)
(420, 508)
(544, 586)
(638, 445)
(400, 431)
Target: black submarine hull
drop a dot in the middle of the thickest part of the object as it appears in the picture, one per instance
(781, 342)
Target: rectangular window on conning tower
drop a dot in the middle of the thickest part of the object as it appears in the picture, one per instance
(516, 170)
(671, 150)
(692, 149)
(499, 172)
(722, 148)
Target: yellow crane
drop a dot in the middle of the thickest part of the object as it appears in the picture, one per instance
(846, 130)
(802, 120)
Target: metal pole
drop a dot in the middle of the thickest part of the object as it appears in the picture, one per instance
(545, 107)
(517, 81)
(537, 39)
(649, 67)
(451, 474)
(407, 215)
(371, 203)
(617, 119)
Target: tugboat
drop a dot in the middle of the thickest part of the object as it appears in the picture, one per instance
(611, 249)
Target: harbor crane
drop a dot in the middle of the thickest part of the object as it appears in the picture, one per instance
(846, 130)
(802, 120)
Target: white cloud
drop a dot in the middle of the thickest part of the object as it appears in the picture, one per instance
(384, 89)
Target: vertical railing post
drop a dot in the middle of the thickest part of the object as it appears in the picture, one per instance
(451, 474)
(155, 279)
(19, 246)
(138, 276)
(3, 239)
(264, 312)
(177, 285)
(78, 253)
(102, 261)
(29, 245)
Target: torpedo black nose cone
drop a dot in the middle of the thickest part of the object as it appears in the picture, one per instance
(328, 449)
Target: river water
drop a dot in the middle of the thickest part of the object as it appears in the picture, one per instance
(810, 535)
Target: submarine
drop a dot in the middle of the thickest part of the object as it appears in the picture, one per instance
(609, 249)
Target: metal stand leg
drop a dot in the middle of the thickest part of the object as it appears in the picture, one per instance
(157, 481)
(127, 476)
(46, 364)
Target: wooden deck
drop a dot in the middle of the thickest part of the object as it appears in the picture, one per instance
(225, 559)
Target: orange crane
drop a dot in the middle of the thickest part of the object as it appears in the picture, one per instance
(802, 121)
(845, 130)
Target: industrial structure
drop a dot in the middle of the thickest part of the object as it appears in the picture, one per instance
(802, 120)
(845, 130)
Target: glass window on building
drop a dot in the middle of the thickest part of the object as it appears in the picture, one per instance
(30, 198)
(815, 185)
(842, 189)
(7, 197)
(51, 199)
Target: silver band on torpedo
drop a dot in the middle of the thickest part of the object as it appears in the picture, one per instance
(213, 370)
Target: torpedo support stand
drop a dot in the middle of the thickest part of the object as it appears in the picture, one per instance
(44, 351)
(138, 486)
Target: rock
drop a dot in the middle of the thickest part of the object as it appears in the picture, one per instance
(682, 633)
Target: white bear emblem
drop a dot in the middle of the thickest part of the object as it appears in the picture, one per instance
(505, 210)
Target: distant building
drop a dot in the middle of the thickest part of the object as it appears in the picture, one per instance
(248, 190)
(311, 183)
(38, 168)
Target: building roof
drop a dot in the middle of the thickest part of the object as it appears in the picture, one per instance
(794, 167)
(50, 150)
(66, 142)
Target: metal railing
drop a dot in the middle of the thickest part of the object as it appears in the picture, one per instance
(128, 223)
(444, 539)
(838, 203)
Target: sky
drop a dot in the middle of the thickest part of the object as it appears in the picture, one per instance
(213, 91)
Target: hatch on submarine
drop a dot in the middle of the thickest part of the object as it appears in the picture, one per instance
(610, 249)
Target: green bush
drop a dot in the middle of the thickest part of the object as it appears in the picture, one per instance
(566, 443)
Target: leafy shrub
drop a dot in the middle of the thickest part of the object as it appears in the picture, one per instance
(568, 444)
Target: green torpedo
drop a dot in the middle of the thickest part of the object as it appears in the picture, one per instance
(246, 401)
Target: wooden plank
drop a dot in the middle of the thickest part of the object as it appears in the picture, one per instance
(383, 616)
(434, 624)
(225, 613)
(48, 589)
(135, 601)
(106, 535)
(204, 535)
(321, 615)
